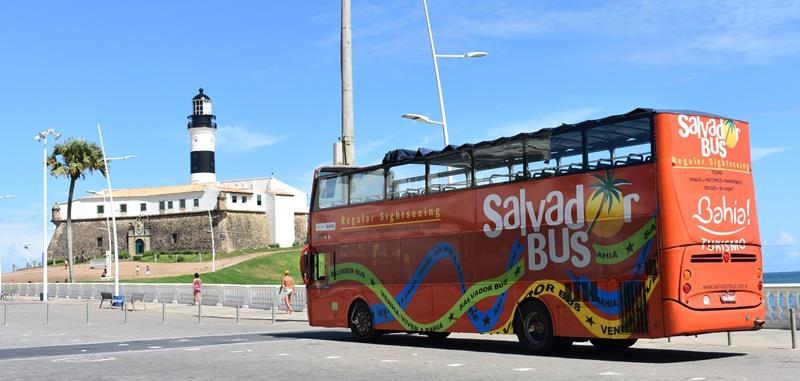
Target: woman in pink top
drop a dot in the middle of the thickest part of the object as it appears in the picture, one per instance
(197, 287)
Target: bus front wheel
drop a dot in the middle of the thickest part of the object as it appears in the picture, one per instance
(535, 329)
(361, 323)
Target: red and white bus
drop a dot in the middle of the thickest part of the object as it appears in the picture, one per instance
(640, 225)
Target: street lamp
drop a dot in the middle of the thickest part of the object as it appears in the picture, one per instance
(111, 202)
(435, 58)
(42, 137)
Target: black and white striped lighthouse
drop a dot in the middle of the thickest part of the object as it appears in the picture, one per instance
(202, 130)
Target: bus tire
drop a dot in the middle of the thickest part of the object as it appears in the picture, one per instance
(534, 328)
(361, 322)
(613, 344)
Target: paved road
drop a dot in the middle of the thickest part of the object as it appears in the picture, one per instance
(217, 348)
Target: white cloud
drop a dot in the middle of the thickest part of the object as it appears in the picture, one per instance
(14, 236)
(237, 138)
(757, 153)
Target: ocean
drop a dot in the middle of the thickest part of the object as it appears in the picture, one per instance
(782, 277)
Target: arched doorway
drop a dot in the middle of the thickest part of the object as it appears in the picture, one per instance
(139, 247)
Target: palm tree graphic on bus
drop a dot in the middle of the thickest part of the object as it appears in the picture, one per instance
(605, 207)
(731, 134)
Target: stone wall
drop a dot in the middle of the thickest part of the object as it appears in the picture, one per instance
(232, 231)
(301, 228)
(242, 230)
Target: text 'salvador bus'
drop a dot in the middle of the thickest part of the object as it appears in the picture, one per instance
(640, 225)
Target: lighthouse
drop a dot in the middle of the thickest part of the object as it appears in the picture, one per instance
(202, 130)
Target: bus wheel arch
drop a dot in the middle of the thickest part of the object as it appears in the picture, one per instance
(533, 324)
(361, 321)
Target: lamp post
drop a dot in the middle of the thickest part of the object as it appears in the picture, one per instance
(27, 247)
(42, 137)
(111, 202)
(435, 58)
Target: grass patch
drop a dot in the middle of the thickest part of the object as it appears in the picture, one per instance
(267, 269)
(194, 256)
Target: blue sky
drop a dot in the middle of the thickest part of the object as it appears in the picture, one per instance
(272, 70)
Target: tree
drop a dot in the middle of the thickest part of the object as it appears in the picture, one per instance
(73, 159)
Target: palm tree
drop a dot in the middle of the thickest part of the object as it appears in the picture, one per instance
(74, 158)
(607, 187)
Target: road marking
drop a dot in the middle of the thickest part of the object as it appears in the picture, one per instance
(192, 349)
(333, 357)
(523, 369)
(390, 360)
(608, 374)
(123, 344)
(454, 365)
(154, 347)
(90, 358)
(83, 350)
(281, 354)
(237, 351)
(183, 340)
(697, 379)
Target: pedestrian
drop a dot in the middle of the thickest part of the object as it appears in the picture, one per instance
(287, 288)
(197, 287)
(137, 269)
(147, 271)
(105, 273)
(66, 264)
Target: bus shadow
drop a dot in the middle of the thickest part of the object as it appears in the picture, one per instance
(578, 352)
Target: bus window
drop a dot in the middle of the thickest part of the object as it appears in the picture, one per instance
(567, 148)
(618, 144)
(331, 192)
(499, 163)
(449, 172)
(407, 180)
(366, 186)
(320, 267)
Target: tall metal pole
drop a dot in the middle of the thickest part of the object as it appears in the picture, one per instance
(113, 218)
(436, 72)
(42, 137)
(348, 131)
(213, 247)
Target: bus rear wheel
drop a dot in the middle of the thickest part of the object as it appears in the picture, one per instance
(613, 344)
(535, 329)
(362, 324)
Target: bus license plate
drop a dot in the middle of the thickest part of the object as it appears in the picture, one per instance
(728, 297)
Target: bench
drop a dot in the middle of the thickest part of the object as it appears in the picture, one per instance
(106, 296)
(136, 297)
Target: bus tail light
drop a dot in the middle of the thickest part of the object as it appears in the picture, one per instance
(758, 273)
(687, 288)
(760, 285)
(687, 275)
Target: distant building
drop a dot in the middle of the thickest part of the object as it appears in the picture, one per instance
(247, 213)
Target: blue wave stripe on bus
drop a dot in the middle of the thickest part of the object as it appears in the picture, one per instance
(483, 321)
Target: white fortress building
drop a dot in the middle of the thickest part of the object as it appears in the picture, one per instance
(247, 213)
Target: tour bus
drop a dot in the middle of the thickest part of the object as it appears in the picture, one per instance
(639, 225)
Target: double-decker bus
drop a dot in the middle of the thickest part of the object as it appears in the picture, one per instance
(640, 225)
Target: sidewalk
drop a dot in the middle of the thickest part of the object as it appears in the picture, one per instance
(25, 322)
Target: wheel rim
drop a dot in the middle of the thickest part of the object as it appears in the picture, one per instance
(534, 328)
(362, 321)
